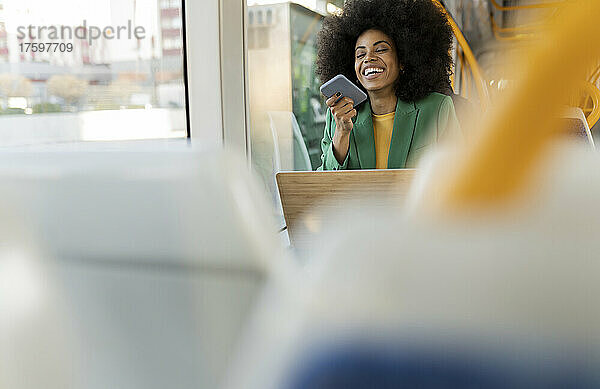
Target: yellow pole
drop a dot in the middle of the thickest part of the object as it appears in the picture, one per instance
(593, 94)
(480, 83)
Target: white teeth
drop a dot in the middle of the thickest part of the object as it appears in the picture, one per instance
(370, 71)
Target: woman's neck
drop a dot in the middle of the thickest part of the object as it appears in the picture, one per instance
(383, 102)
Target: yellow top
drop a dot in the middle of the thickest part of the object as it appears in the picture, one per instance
(384, 127)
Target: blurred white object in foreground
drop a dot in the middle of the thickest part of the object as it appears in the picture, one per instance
(129, 268)
(506, 299)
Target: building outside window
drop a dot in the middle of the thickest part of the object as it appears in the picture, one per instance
(59, 82)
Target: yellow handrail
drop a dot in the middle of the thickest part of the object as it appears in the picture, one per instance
(480, 83)
(528, 27)
(526, 6)
(497, 30)
(593, 94)
(595, 76)
(510, 38)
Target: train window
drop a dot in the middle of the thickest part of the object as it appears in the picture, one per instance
(286, 109)
(89, 70)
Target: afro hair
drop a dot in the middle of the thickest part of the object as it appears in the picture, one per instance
(420, 32)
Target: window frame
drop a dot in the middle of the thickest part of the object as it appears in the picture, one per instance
(216, 73)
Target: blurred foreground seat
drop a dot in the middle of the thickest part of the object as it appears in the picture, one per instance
(486, 300)
(131, 268)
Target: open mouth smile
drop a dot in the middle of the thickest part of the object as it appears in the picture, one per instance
(372, 72)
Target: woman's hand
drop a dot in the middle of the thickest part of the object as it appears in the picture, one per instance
(343, 111)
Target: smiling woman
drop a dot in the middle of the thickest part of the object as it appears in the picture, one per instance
(399, 54)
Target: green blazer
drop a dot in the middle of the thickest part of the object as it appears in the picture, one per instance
(417, 126)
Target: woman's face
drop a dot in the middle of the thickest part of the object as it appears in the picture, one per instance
(375, 61)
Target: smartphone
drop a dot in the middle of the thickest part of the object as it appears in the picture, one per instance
(341, 84)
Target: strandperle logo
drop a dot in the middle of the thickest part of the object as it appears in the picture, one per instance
(83, 32)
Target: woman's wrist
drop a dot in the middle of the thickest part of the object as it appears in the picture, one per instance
(341, 145)
(341, 135)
